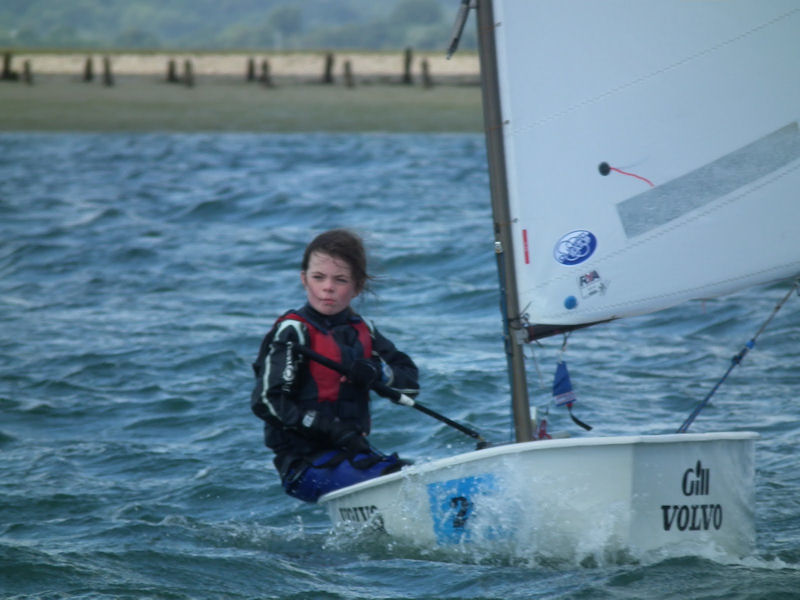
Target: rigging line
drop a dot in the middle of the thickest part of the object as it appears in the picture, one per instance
(645, 179)
(736, 360)
(539, 374)
(564, 344)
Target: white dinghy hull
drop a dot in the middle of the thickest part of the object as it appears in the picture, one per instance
(673, 494)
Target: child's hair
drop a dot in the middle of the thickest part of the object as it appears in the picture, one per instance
(344, 245)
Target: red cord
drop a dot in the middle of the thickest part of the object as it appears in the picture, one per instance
(647, 181)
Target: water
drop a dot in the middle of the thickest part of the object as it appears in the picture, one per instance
(138, 274)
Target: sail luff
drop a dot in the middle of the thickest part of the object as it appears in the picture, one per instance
(493, 124)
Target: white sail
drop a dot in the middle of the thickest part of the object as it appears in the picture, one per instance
(652, 151)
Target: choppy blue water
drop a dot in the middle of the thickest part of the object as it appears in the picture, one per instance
(138, 274)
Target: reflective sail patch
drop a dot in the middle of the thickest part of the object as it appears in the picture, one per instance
(662, 204)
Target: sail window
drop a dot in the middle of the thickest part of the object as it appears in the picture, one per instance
(662, 204)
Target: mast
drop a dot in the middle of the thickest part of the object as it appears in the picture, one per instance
(493, 124)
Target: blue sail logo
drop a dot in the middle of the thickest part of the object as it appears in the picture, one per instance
(575, 247)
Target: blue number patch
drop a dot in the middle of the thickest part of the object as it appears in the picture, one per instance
(453, 504)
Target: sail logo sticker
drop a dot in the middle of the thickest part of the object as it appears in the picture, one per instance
(575, 247)
(591, 284)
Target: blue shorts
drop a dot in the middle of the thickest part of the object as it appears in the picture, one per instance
(330, 472)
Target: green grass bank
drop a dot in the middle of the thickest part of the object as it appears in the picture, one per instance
(138, 103)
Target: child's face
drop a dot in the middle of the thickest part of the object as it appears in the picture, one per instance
(329, 283)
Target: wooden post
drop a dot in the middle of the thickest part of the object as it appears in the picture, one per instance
(88, 70)
(407, 67)
(27, 72)
(108, 76)
(172, 71)
(327, 76)
(188, 73)
(251, 69)
(427, 80)
(8, 73)
(266, 78)
(349, 80)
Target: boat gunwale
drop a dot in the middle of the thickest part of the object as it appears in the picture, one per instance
(536, 445)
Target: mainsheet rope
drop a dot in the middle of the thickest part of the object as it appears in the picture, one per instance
(736, 360)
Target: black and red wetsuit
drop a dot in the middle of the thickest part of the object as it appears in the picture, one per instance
(288, 386)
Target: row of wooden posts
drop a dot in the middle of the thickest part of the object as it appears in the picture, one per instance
(9, 74)
(187, 77)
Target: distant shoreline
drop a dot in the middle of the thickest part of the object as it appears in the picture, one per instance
(219, 97)
(305, 65)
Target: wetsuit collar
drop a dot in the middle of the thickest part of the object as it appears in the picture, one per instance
(326, 322)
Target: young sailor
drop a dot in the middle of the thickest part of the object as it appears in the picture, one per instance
(316, 420)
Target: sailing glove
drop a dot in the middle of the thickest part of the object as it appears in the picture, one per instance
(354, 442)
(347, 437)
(364, 372)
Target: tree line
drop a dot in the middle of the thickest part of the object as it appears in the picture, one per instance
(229, 24)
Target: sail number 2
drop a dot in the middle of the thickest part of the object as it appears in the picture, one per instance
(696, 482)
(454, 508)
